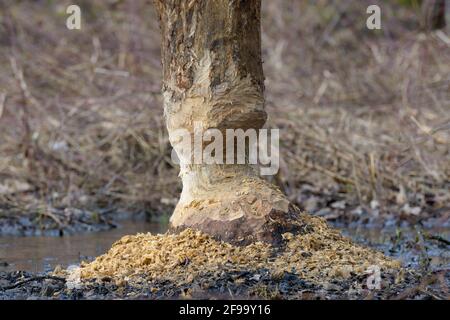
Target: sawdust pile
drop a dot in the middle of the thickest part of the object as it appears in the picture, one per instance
(322, 254)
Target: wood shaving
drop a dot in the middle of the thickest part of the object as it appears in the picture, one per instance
(321, 255)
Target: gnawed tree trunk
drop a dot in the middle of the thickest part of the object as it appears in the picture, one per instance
(212, 73)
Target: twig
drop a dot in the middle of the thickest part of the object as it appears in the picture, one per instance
(421, 287)
(18, 74)
(433, 295)
(49, 214)
(437, 238)
(323, 170)
(38, 278)
(2, 103)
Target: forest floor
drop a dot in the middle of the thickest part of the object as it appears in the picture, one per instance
(363, 115)
(424, 274)
(238, 285)
(363, 118)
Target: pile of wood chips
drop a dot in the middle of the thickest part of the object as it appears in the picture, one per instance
(321, 255)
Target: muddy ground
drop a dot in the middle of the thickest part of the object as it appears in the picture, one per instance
(363, 118)
(59, 223)
(23, 285)
(426, 275)
(363, 114)
(426, 211)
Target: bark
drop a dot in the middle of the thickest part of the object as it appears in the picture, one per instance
(212, 73)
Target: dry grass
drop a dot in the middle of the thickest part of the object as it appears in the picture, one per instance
(364, 115)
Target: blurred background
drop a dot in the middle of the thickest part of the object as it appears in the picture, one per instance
(364, 115)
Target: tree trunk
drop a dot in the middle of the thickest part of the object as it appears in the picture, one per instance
(212, 74)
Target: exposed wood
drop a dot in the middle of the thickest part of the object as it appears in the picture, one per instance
(212, 74)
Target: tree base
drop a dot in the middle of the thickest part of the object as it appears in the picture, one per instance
(240, 212)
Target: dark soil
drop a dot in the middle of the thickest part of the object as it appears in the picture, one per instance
(259, 285)
(329, 204)
(58, 223)
(426, 276)
(426, 210)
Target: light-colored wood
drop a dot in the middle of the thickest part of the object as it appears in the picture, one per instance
(212, 73)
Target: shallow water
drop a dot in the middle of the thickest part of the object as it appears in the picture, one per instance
(408, 245)
(37, 254)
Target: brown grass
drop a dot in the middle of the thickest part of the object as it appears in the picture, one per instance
(364, 115)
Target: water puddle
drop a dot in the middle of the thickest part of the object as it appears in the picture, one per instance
(38, 254)
(412, 247)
